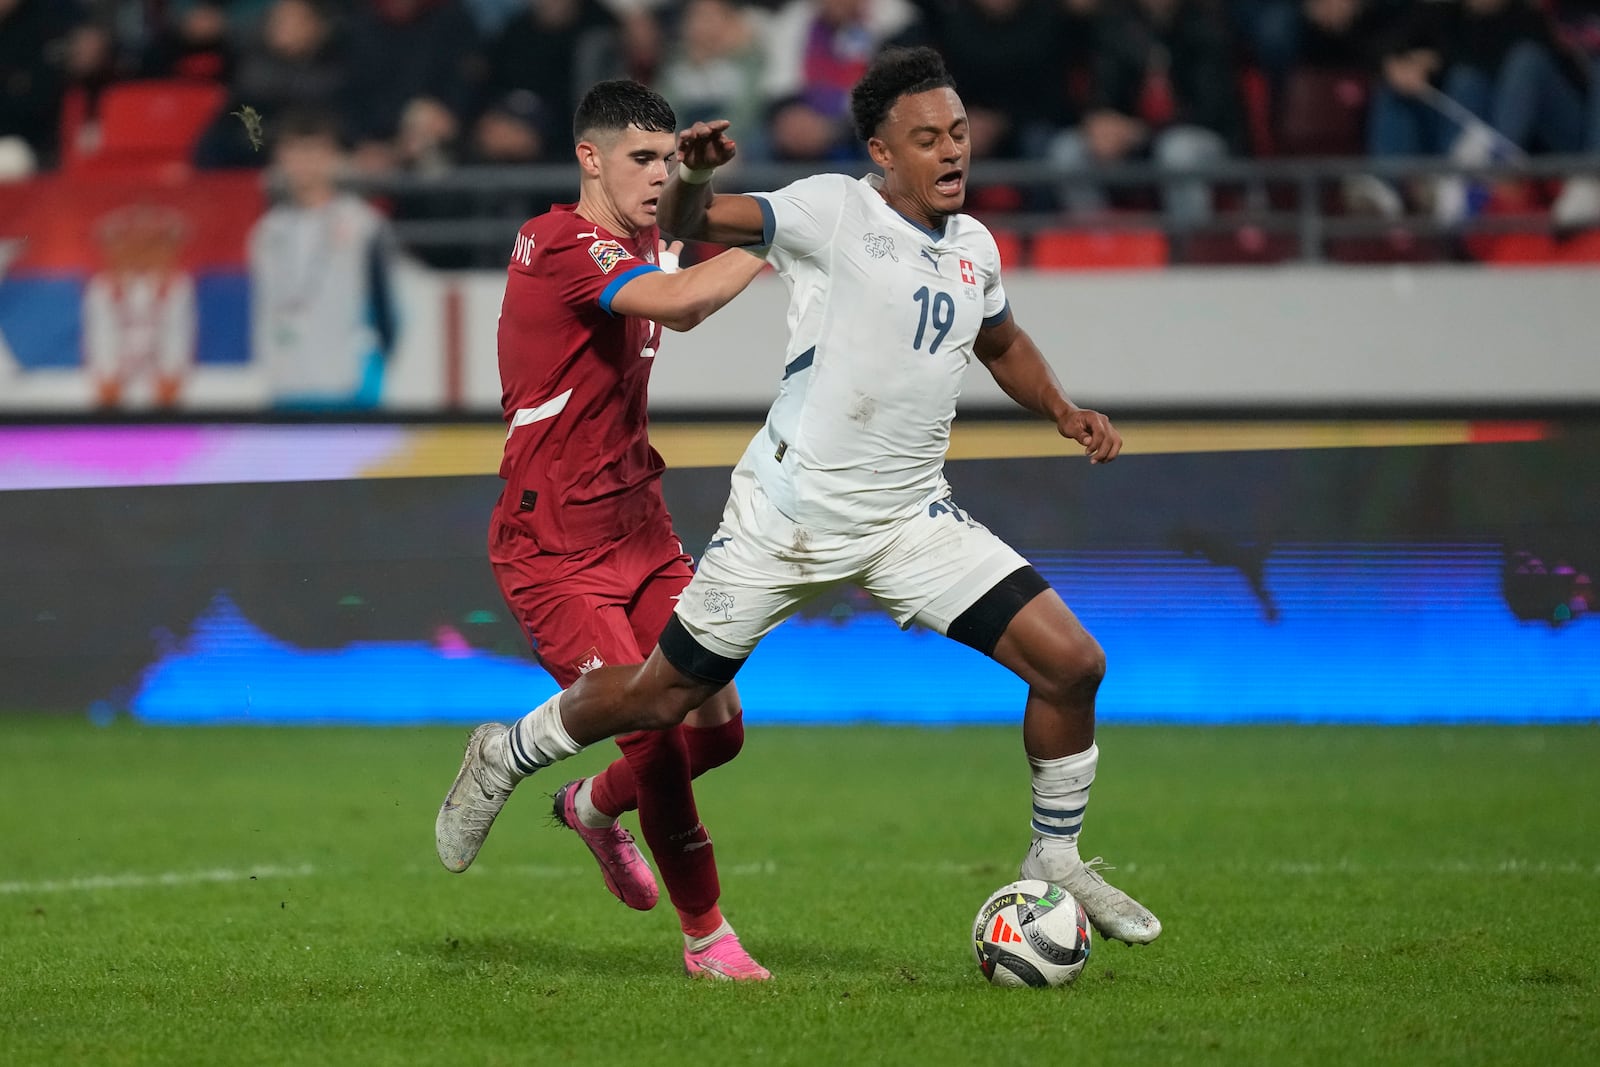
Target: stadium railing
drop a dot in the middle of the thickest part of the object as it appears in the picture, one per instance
(1274, 210)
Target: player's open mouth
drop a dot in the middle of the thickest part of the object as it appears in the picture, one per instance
(949, 183)
(650, 205)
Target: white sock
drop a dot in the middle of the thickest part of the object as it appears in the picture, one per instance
(699, 944)
(588, 814)
(538, 739)
(1060, 796)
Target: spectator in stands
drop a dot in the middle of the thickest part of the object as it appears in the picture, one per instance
(323, 316)
(194, 43)
(511, 130)
(714, 70)
(985, 43)
(536, 68)
(1270, 35)
(816, 52)
(491, 16)
(416, 73)
(1497, 58)
(1323, 96)
(1164, 87)
(33, 35)
(296, 63)
(1578, 30)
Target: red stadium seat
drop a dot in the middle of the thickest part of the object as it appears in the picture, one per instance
(1514, 249)
(1245, 246)
(1099, 250)
(1255, 93)
(1010, 245)
(1580, 248)
(144, 127)
(1324, 113)
(1399, 245)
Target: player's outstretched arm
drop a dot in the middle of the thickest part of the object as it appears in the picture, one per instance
(688, 209)
(684, 299)
(1019, 368)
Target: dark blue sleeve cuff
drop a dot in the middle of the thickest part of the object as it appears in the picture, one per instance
(609, 293)
(999, 316)
(769, 221)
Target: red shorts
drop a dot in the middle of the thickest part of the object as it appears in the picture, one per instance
(601, 605)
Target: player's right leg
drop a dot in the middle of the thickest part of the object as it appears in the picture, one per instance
(713, 732)
(604, 703)
(574, 609)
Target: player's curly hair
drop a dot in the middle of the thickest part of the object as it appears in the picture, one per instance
(613, 106)
(895, 73)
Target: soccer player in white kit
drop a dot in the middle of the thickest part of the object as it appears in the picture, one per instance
(892, 291)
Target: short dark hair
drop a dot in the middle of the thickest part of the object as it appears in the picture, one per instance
(619, 103)
(895, 73)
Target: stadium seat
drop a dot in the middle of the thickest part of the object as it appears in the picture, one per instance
(1099, 250)
(1324, 113)
(1245, 246)
(144, 127)
(1255, 93)
(1580, 248)
(1398, 245)
(1514, 249)
(1010, 245)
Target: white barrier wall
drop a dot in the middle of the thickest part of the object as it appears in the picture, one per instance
(1190, 337)
(1458, 335)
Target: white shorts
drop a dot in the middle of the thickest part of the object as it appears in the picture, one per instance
(761, 567)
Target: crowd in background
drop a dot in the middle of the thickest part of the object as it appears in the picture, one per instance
(429, 84)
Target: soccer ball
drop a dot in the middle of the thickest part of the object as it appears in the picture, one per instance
(1031, 933)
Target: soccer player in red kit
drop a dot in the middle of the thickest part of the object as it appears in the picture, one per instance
(580, 540)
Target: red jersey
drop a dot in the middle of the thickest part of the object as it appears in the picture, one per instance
(578, 464)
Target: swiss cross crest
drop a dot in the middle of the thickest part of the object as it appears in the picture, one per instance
(968, 275)
(608, 254)
(719, 603)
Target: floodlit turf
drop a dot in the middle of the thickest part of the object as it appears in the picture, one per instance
(1330, 896)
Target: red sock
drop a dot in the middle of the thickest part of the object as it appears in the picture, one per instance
(700, 925)
(613, 790)
(682, 849)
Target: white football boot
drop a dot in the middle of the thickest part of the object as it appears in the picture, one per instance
(1116, 915)
(475, 798)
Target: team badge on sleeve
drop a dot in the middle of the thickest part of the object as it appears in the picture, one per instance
(967, 273)
(608, 254)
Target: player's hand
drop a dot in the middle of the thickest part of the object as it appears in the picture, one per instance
(668, 255)
(705, 145)
(1100, 440)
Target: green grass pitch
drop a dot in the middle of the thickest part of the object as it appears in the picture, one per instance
(1403, 895)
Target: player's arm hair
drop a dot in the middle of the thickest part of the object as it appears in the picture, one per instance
(684, 299)
(695, 213)
(1020, 369)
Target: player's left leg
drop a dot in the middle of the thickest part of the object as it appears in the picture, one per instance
(1045, 645)
(656, 773)
(952, 574)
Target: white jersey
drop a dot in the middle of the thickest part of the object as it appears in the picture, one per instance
(883, 314)
(319, 296)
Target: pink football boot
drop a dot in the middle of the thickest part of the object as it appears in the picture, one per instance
(724, 960)
(627, 874)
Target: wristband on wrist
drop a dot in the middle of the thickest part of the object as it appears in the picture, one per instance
(695, 175)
